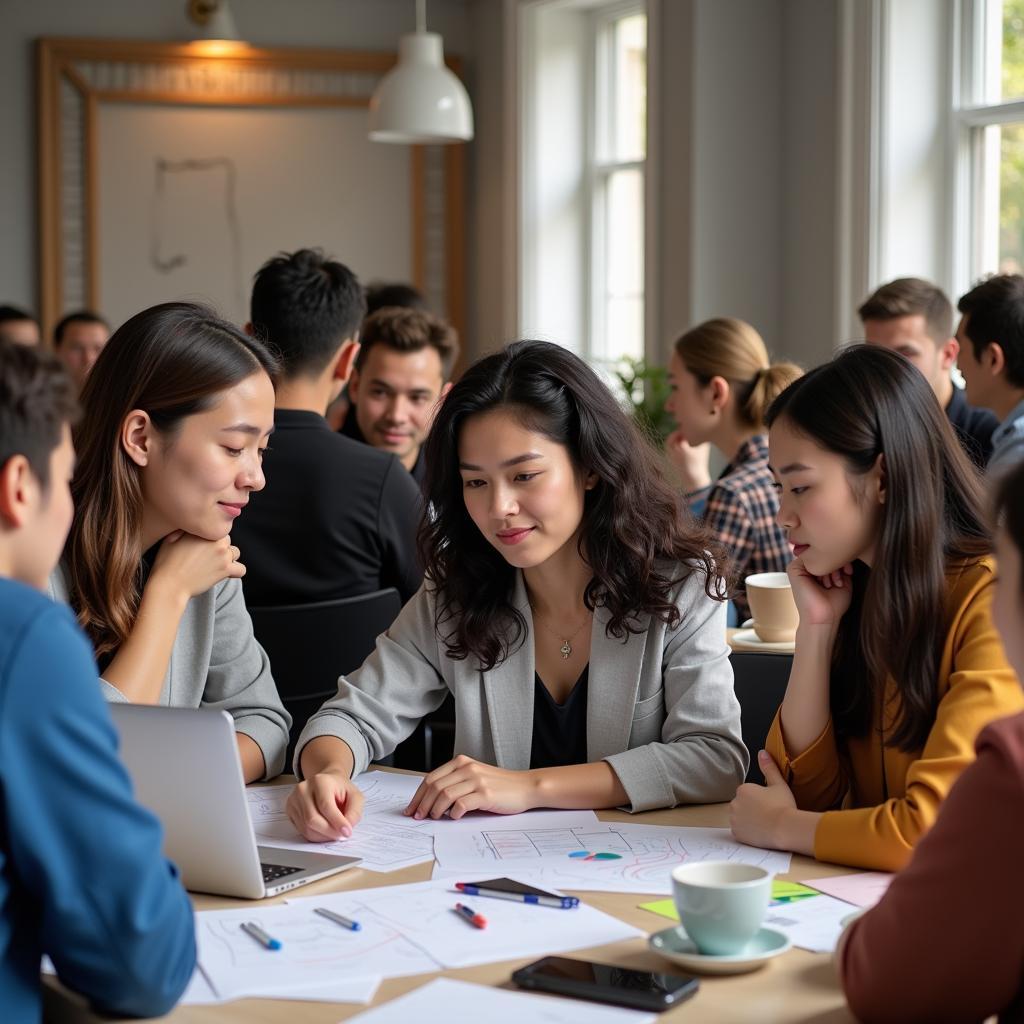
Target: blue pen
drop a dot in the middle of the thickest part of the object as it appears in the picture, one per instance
(562, 902)
(250, 928)
(345, 922)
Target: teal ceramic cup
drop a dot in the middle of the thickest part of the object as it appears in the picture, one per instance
(721, 904)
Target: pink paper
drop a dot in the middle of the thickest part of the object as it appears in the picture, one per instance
(864, 889)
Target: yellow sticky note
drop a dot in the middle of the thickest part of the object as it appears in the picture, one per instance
(666, 908)
(780, 891)
(791, 890)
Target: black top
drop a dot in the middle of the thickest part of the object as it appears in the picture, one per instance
(973, 426)
(350, 428)
(559, 730)
(336, 518)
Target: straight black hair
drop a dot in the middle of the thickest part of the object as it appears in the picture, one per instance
(303, 307)
(869, 402)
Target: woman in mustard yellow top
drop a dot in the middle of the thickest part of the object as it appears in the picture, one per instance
(898, 665)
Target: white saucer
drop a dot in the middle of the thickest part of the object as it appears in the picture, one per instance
(748, 638)
(674, 944)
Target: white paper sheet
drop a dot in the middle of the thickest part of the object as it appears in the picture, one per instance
(459, 1002)
(199, 991)
(814, 923)
(424, 913)
(863, 889)
(385, 838)
(316, 954)
(646, 855)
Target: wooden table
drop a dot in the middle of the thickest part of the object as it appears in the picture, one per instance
(798, 986)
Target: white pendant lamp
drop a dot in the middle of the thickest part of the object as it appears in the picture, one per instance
(420, 100)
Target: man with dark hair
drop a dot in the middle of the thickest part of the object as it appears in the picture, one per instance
(991, 336)
(386, 295)
(17, 326)
(914, 318)
(336, 519)
(78, 340)
(83, 878)
(402, 370)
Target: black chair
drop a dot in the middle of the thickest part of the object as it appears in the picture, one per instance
(310, 645)
(760, 683)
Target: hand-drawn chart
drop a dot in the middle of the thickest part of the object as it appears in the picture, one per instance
(552, 857)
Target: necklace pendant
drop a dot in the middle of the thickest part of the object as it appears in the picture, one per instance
(566, 649)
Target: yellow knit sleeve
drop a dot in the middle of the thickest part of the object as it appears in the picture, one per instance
(980, 688)
(816, 775)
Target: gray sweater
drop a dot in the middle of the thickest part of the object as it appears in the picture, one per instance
(217, 663)
(661, 708)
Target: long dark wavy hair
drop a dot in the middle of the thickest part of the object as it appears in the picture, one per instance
(869, 402)
(635, 534)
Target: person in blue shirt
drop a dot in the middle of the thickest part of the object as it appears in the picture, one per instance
(82, 878)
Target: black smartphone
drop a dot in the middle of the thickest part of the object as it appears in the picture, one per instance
(606, 983)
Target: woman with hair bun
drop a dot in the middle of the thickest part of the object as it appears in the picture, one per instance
(722, 382)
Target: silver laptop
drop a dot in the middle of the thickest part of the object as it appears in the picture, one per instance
(185, 768)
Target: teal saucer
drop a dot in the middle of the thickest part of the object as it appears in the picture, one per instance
(676, 945)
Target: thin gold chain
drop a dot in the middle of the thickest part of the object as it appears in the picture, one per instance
(566, 642)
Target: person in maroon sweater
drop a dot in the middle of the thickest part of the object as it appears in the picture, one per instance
(946, 942)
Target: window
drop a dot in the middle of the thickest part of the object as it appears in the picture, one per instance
(617, 177)
(583, 148)
(992, 119)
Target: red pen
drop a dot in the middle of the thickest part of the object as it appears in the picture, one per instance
(475, 919)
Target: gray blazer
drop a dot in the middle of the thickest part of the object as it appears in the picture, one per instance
(217, 663)
(661, 708)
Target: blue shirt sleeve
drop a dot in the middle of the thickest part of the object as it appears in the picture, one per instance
(113, 916)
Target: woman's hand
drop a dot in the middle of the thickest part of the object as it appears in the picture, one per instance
(767, 816)
(821, 600)
(464, 785)
(325, 807)
(188, 565)
(691, 462)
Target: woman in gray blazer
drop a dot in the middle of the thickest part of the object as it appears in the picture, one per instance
(572, 607)
(176, 415)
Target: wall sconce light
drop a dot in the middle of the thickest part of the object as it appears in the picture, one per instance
(217, 33)
(420, 100)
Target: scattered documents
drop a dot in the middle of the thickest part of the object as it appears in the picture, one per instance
(612, 857)
(863, 889)
(385, 838)
(459, 1002)
(423, 914)
(813, 924)
(315, 953)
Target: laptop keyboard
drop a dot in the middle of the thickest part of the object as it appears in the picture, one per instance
(274, 872)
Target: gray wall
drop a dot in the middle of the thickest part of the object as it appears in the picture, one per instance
(340, 24)
(746, 147)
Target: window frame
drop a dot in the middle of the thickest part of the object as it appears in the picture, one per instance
(972, 114)
(599, 170)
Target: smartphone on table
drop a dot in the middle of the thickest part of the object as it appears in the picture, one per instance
(606, 983)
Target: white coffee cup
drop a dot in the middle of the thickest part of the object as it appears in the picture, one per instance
(770, 596)
(720, 903)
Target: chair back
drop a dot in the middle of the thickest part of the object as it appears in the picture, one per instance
(310, 645)
(760, 683)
